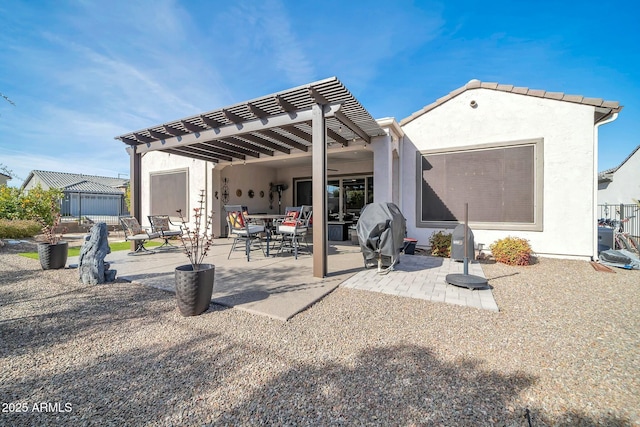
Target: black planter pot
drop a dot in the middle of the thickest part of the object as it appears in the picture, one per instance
(194, 288)
(53, 257)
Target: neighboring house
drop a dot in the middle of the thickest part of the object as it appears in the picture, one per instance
(621, 185)
(83, 194)
(524, 160)
(4, 178)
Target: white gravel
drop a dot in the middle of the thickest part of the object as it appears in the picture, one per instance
(564, 347)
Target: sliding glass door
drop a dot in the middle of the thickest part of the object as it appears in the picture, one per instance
(346, 196)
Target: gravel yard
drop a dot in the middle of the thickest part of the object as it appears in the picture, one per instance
(564, 349)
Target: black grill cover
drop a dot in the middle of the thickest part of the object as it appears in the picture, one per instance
(381, 231)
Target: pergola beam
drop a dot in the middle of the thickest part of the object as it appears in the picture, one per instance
(209, 122)
(231, 149)
(181, 151)
(247, 127)
(297, 132)
(247, 145)
(257, 111)
(222, 154)
(285, 140)
(261, 141)
(354, 128)
(191, 127)
(173, 131)
(285, 105)
(158, 135)
(233, 117)
(337, 137)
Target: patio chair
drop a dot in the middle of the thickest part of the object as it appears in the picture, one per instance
(162, 224)
(294, 230)
(133, 232)
(290, 213)
(243, 231)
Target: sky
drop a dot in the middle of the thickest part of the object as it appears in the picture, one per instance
(79, 73)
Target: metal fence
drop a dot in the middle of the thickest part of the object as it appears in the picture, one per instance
(87, 209)
(630, 213)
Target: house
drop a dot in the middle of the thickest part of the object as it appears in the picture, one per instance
(84, 195)
(4, 178)
(621, 185)
(522, 159)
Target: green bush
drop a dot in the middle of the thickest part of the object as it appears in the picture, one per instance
(35, 203)
(440, 244)
(512, 251)
(18, 228)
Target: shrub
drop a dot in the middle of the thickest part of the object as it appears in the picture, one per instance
(18, 204)
(18, 229)
(512, 251)
(440, 244)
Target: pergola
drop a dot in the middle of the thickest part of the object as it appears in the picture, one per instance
(296, 120)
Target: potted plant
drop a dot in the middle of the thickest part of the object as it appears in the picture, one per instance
(194, 281)
(53, 251)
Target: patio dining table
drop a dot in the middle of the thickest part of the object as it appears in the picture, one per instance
(268, 220)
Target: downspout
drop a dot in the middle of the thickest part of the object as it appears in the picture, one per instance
(594, 205)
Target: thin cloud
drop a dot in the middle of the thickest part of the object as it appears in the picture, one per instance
(289, 54)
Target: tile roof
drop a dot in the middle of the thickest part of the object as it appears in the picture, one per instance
(614, 106)
(603, 175)
(78, 182)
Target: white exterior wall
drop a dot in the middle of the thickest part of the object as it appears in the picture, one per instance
(567, 131)
(383, 179)
(625, 185)
(156, 161)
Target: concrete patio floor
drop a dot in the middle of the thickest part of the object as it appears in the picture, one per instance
(281, 286)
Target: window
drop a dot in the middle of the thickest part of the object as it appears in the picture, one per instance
(502, 183)
(345, 195)
(169, 192)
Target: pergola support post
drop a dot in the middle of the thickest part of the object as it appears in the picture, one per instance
(319, 191)
(135, 174)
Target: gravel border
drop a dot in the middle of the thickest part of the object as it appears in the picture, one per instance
(564, 347)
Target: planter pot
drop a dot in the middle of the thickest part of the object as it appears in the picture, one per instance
(194, 288)
(53, 257)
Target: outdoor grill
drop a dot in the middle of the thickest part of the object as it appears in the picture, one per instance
(381, 230)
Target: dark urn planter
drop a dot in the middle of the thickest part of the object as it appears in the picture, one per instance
(53, 256)
(194, 288)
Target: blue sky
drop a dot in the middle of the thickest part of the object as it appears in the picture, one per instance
(82, 72)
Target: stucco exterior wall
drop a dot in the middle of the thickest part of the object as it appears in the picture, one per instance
(625, 185)
(567, 131)
(161, 162)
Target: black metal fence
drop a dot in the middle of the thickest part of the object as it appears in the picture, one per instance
(629, 214)
(89, 208)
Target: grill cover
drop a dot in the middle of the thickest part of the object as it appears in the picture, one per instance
(381, 231)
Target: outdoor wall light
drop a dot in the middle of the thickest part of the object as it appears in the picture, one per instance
(473, 103)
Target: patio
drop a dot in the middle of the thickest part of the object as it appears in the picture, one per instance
(280, 287)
